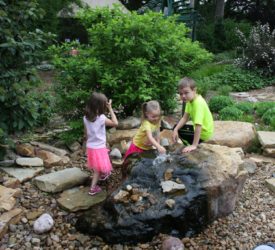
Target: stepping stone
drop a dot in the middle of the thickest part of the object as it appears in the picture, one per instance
(22, 174)
(7, 200)
(271, 184)
(270, 152)
(57, 151)
(11, 217)
(29, 162)
(267, 139)
(78, 199)
(60, 180)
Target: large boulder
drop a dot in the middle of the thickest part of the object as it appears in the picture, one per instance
(233, 134)
(213, 178)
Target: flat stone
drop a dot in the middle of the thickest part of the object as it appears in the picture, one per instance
(29, 162)
(11, 217)
(50, 159)
(267, 138)
(58, 151)
(271, 184)
(25, 149)
(233, 134)
(7, 200)
(22, 174)
(270, 152)
(60, 180)
(78, 199)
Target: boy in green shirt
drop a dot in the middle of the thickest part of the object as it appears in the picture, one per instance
(197, 109)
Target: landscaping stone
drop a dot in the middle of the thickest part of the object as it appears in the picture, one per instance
(171, 186)
(43, 224)
(270, 152)
(57, 151)
(233, 134)
(115, 153)
(11, 217)
(76, 199)
(120, 135)
(29, 162)
(50, 159)
(22, 174)
(271, 184)
(172, 243)
(25, 149)
(129, 123)
(250, 166)
(7, 200)
(60, 180)
(267, 139)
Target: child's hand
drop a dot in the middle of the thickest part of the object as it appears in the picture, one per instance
(189, 149)
(161, 150)
(109, 104)
(175, 136)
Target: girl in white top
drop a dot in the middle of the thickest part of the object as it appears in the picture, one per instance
(95, 123)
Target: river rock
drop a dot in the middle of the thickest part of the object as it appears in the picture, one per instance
(11, 217)
(172, 243)
(43, 224)
(129, 123)
(29, 162)
(213, 176)
(267, 138)
(58, 151)
(25, 149)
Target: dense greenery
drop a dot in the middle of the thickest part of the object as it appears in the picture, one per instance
(131, 58)
(20, 48)
(217, 103)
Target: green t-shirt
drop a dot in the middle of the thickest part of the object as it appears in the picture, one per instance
(140, 139)
(200, 114)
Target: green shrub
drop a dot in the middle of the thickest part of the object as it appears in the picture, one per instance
(246, 107)
(207, 70)
(262, 107)
(238, 79)
(259, 49)
(217, 103)
(131, 58)
(224, 90)
(269, 116)
(230, 113)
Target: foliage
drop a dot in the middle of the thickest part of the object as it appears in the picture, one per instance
(262, 107)
(238, 79)
(222, 36)
(131, 58)
(269, 116)
(230, 113)
(258, 49)
(20, 47)
(217, 103)
(224, 90)
(246, 107)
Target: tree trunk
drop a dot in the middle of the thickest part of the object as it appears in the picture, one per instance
(192, 4)
(219, 12)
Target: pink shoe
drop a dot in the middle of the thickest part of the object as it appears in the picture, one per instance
(105, 176)
(94, 190)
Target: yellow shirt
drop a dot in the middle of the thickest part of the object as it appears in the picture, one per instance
(200, 114)
(140, 139)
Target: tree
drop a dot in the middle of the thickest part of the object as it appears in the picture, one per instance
(219, 12)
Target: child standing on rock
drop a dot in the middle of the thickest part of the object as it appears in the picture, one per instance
(148, 133)
(95, 123)
(197, 109)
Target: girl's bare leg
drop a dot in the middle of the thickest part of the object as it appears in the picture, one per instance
(95, 178)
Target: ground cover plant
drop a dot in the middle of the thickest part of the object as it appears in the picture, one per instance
(131, 58)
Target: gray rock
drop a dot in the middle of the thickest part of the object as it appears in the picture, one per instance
(29, 162)
(43, 224)
(267, 138)
(250, 166)
(129, 123)
(172, 243)
(60, 180)
(115, 153)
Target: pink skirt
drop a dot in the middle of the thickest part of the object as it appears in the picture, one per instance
(98, 159)
(133, 149)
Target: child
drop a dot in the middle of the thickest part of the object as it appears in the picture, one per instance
(95, 135)
(197, 109)
(148, 133)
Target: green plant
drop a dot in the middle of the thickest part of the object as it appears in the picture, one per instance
(246, 107)
(20, 49)
(224, 90)
(269, 116)
(217, 103)
(131, 58)
(259, 49)
(262, 107)
(230, 113)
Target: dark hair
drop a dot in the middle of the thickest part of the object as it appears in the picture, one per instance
(187, 82)
(96, 105)
(148, 107)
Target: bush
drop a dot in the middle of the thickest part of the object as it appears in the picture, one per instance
(230, 114)
(238, 79)
(262, 107)
(131, 58)
(269, 116)
(259, 49)
(246, 107)
(224, 90)
(217, 103)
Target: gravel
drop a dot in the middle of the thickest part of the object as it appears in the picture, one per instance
(251, 223)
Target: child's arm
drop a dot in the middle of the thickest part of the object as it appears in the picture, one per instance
(197, 134)
(181, 123)
(154, 142)
(113, 121)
